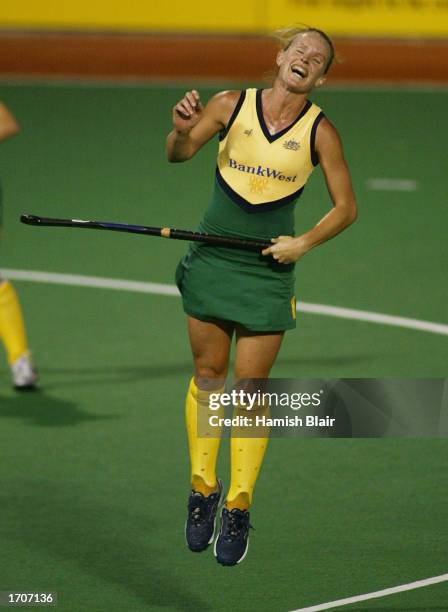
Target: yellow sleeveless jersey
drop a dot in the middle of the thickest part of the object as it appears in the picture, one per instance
(261, 171)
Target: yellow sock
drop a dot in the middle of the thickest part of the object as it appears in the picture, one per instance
(204, 449)
(12, 328)
(246, 457)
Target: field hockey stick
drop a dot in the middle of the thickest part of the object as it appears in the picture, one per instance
(164, 232)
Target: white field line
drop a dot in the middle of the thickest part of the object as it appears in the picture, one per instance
(384, 593)
(78, 280)
(164, 289)
(391, 184)
(373, 317)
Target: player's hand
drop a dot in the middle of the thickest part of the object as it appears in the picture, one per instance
(286, 249)
(187, 112)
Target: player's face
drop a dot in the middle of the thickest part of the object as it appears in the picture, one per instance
(302, 64)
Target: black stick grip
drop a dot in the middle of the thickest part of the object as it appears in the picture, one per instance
(223, 241)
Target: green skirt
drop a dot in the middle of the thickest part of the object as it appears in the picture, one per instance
(232, 285)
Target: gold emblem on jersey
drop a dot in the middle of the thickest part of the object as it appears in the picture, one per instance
(292, 145)
(258, 184)
(248, 132)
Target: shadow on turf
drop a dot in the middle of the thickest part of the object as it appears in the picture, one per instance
(111, 540)
(37, 408)
(113, 375)
(125, 374)
(336, 360)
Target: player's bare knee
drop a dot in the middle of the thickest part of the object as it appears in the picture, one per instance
(209, 377)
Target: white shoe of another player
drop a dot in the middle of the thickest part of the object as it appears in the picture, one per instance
(24, 376)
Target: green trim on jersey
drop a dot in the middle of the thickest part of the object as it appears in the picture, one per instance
(234, 285)
(224, 217)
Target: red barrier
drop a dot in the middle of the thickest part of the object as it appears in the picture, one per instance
(225, 57)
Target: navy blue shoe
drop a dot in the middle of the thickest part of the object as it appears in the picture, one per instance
(201, 521)
(232, 543)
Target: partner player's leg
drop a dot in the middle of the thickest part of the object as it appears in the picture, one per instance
(210, 344)
(255, 355)
(12, 333)
(13, 336)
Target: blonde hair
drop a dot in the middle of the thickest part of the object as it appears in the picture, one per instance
(285, 36)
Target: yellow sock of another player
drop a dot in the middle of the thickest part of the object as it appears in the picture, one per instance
(246, 457)
(12, 328)
(204, 449)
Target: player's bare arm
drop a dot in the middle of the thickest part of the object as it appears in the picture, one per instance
(194, 125)
(8, 125)
(344, 212)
